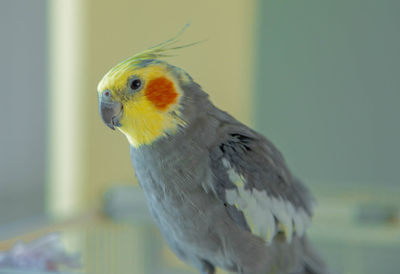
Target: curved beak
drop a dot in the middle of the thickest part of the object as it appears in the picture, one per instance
(110, 112)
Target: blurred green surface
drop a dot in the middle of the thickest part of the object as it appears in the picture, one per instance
(327, 95)
(327, 87)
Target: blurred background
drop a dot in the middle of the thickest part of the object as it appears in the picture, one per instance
(319, 78)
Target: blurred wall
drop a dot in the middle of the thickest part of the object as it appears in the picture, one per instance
(23, 75)
(111, 31)
(328, 88)
(327, 94)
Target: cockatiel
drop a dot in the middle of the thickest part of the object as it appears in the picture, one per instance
(219, 192)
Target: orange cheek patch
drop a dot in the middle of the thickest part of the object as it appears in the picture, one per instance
(161, 92)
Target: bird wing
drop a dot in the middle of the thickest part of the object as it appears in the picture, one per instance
(252, 180)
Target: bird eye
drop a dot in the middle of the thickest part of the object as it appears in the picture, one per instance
(136, 84)
(107, 93)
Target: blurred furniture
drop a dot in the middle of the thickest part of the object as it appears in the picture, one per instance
(357, 232)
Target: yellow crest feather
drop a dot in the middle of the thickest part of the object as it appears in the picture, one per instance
(163, 49)
(158, 51)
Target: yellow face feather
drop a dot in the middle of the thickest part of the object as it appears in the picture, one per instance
(143, 120)
(153, 111)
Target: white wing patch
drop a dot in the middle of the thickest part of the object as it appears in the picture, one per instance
(261, 210)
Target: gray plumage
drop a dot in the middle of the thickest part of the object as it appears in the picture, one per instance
(204, 214)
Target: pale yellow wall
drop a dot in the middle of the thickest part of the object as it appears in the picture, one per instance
(114, 30)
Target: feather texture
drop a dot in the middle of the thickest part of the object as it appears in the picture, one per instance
(262, 187)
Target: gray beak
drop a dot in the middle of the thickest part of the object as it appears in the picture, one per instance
(110, 112)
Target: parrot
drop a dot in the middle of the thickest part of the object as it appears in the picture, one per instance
(219, 192)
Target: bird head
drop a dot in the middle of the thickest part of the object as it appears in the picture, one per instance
(143, 95)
